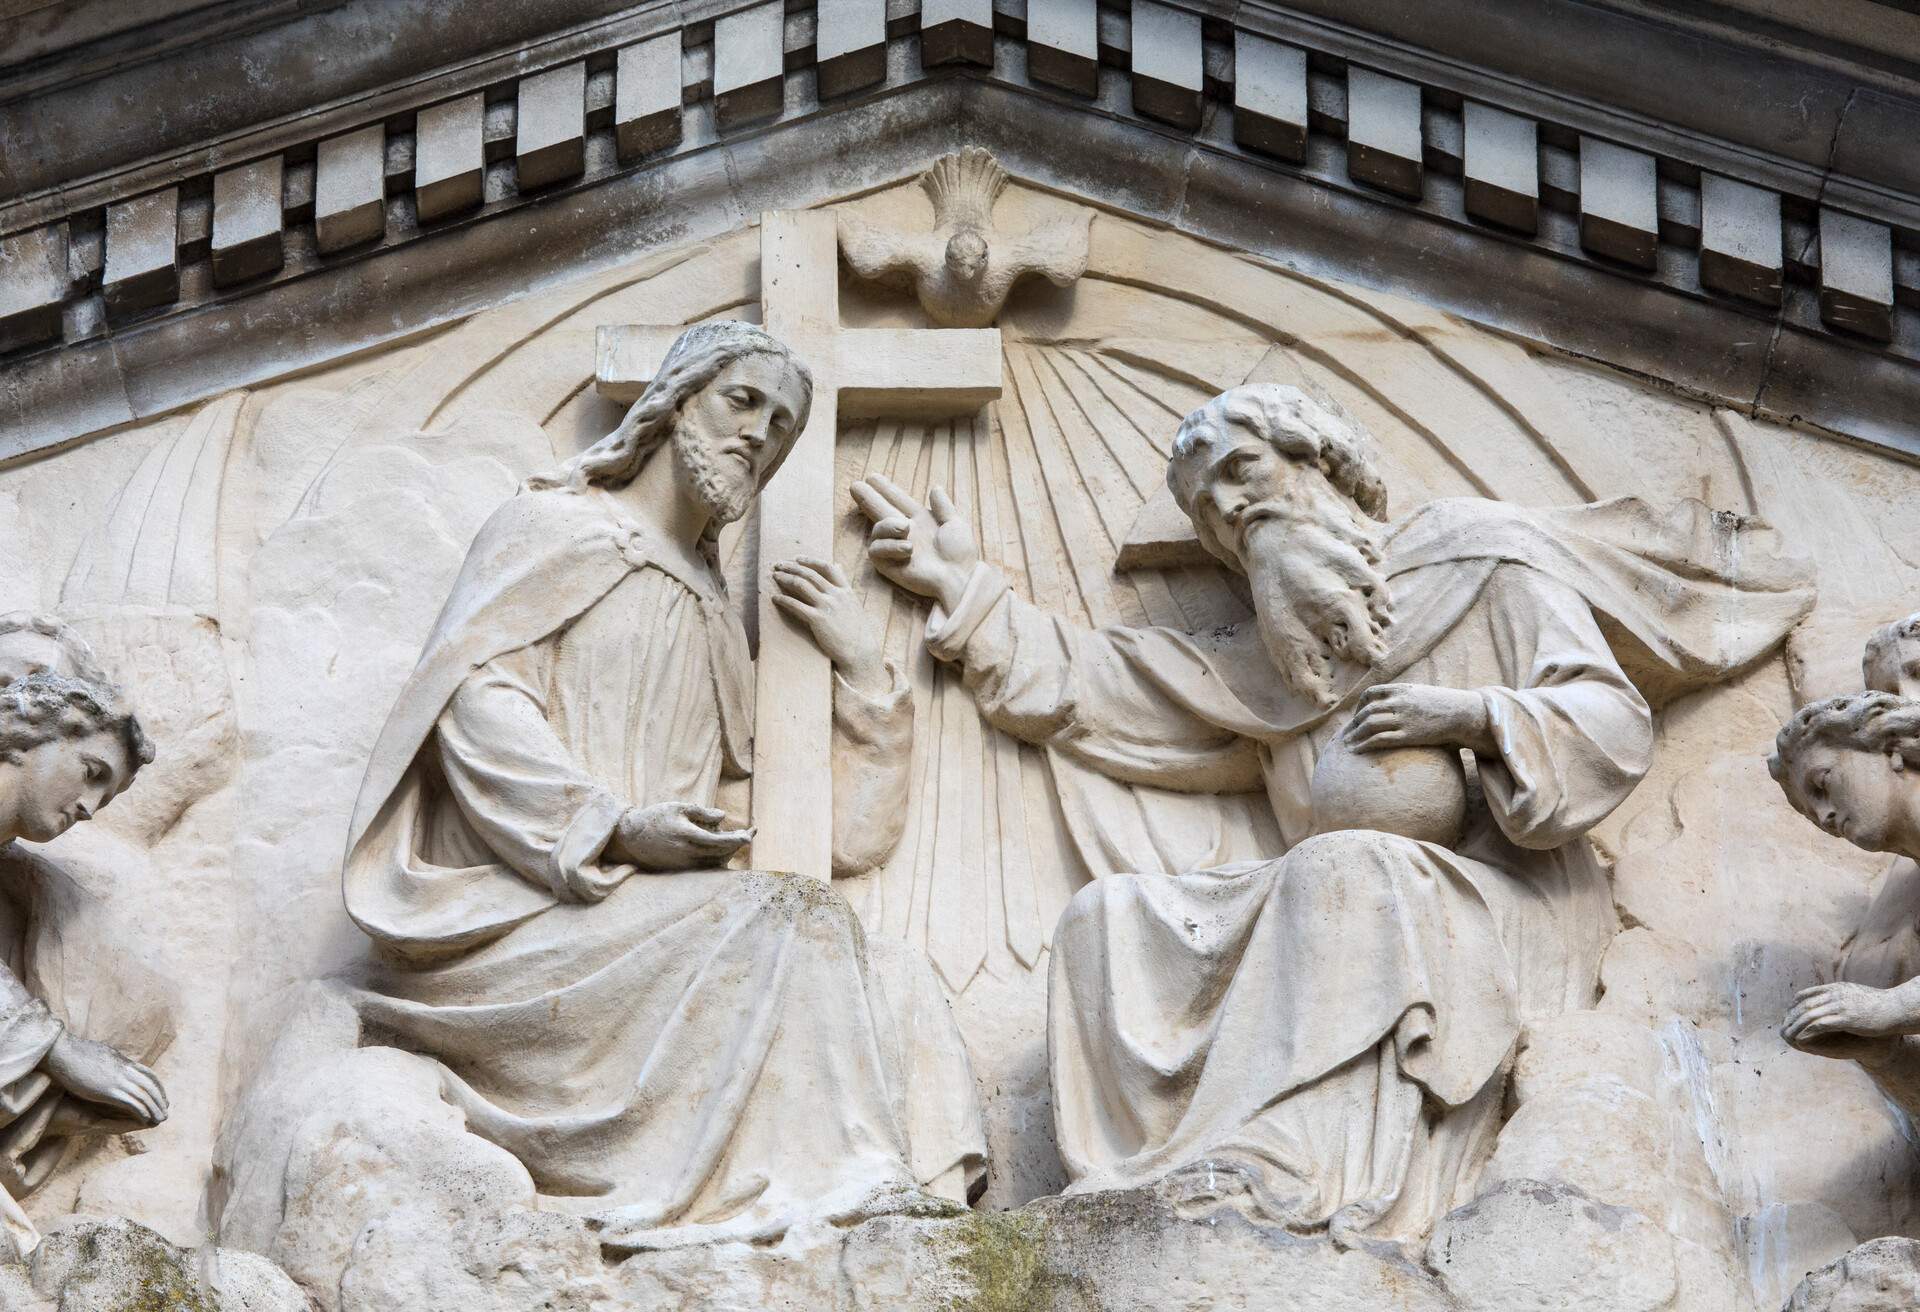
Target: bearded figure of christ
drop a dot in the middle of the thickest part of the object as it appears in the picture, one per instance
(682, 1051)
(1438, 712)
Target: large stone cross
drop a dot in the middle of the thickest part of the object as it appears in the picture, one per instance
(858, 373)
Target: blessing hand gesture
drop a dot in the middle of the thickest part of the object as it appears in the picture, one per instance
(928, 549)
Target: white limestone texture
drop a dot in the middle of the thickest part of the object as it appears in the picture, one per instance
(1419, 916)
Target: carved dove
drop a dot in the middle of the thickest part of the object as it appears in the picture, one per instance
(963, 270)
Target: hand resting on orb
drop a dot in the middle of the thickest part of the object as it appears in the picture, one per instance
(1395, 768)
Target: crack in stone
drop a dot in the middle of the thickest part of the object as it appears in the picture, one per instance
(1819, 196)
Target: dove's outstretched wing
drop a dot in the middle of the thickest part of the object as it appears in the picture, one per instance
(902, 259)
(1056, 251)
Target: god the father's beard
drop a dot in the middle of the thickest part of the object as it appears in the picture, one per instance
(1319, 594)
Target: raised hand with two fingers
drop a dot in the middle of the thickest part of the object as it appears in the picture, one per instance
(926, 548)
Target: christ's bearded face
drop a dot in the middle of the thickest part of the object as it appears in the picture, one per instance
(1311, 557)
(733, 430)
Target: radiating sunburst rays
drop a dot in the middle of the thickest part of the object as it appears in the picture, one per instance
(1051, 477)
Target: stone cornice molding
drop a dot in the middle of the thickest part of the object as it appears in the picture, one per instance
(1297, 113)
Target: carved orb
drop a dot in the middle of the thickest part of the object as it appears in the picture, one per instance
(1415, 792)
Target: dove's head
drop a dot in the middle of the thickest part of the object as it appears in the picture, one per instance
(967, 255)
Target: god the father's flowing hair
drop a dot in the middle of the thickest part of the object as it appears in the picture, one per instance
(697, 357)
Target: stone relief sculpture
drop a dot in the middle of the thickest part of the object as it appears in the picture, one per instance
(69, 745)
(1848, 764)
(1322, 1039)
(365, 488)
(536, 855)
(964, 269)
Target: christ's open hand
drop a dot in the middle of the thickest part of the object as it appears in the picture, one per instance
(928, 549)
(675, 836)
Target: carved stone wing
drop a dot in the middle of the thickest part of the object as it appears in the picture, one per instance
(883, 255)
(1056, 251)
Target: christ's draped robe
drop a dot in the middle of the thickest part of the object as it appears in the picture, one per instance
(704, 1054)
(1324, 1036)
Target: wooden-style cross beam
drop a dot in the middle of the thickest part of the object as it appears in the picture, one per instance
(857, 373)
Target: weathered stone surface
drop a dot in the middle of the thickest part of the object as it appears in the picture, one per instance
(1383, 132)
(1856, 274)
(956, 32)
(646, 106)
(1619, 211)
(550, 127)
(448, 157)
(1167, 63)
(325, 532)
(749, 63)
(1882, 1275)
(115, 1266)
(850, 38)
(1063, 44)
(1740, 251)
(247, 221)
(1501, 165)
(1269, 96)
(33, 284)
(142, 268)
(1108, 1252)
(1529, 1244)
(247, 1282)
(349, 189)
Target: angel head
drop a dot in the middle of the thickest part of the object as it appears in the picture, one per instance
(727, 405)
(1892, 659)
(1849, 765)
(1285, 491)
(68, 746)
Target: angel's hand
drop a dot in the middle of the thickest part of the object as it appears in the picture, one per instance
(1828, 1009)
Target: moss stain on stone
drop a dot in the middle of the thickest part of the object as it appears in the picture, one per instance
(159, 1285)
(149, 1277)
(1001, 1257)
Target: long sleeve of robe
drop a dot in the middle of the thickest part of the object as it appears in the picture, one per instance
(1572, 734)
(526, 796)
(1099, 696)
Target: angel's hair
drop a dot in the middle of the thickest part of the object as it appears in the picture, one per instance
(1880, 663)
(76, 654)
(42, 708)
(697, 357)
(1876, 722)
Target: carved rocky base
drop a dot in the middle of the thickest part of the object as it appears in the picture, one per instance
(1526, 1245)
(116, 1265)
(1881, 1275)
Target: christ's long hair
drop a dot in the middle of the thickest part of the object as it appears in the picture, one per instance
(697, 357)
